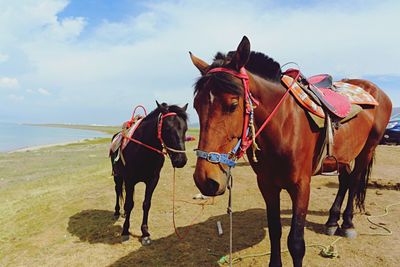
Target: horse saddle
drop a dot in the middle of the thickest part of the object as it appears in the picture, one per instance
(322, 91)
(331, 102)
(121, 139)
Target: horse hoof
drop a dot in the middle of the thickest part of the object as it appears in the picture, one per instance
(125, 238)
(349, 233)
(116, 216)
(331, 230)
(146, 241)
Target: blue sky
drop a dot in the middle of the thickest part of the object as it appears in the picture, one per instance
(92, 61)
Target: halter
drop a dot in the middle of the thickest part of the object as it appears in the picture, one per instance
(248, 134)
(159, 132)
(245, 141)
(165, 148)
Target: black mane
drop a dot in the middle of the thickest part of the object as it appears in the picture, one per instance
(264, 66)
(165, 108)
(259, 64)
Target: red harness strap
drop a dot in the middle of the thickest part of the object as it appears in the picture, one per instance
(249, 100)
(247, 139)
(160, 122)
(159, 135)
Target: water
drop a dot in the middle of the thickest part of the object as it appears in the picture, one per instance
(17, 136)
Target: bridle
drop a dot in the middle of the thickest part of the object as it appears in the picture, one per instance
(159, 133)
(249, 135)
(164, 150)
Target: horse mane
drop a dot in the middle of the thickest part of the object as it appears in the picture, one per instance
(259, 64)
(264, 66)
(165, 108)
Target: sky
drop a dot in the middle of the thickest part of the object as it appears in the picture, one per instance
(93, 61)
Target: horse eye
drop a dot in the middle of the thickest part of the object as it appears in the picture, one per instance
(233, 107)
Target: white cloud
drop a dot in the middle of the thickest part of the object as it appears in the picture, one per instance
(16, 98)
(145, 57)
(7, 82)
(43, 91)
(40, 91)
(3, 57)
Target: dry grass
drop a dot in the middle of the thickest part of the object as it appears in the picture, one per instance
(56, 207)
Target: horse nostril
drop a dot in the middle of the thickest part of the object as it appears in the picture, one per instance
(213, 186)
(179, 162)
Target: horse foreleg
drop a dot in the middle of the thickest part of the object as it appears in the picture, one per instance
(334, 213)
(146, 208)
(118, 192)
(300, 195)
(128, 206)
(271, 196)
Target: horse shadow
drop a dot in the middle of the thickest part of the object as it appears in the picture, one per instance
(201, 245)
(95, 226)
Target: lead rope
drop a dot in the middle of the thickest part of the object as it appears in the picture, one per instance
(202, 204)
(229, 210)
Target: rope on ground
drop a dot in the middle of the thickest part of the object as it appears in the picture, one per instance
(326, 251)
(202, 204)
(388, 231)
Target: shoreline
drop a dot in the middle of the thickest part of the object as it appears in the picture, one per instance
(104, 130)
(38, 147)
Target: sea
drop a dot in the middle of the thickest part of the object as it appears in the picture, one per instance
(19, 136)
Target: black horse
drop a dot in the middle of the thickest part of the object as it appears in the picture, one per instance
(161, 132)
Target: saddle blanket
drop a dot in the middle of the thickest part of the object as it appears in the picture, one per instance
(119, 140)
(352, 93)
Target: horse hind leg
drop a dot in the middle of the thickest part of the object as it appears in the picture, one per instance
(128, 206)
(357, 190)
(332, 226)
(118, 193)
(146, 240)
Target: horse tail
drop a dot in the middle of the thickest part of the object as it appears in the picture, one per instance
(363, 184)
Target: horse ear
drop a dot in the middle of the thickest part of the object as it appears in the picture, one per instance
(200, 64)
(163, 107)
(242, 54)
(185, 107)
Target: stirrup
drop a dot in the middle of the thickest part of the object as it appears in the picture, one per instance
(331, 173)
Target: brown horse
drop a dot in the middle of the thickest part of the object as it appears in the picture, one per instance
(288, 145)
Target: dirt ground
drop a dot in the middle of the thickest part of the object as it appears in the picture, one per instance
(66, 220)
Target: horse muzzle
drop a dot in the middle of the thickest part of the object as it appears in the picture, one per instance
(179, 160)
(210, 182)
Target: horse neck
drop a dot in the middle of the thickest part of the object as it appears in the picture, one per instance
(147, 132)
(267, 93)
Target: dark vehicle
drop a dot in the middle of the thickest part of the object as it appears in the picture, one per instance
(392, 132)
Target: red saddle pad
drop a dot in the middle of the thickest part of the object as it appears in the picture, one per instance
(339, 102)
